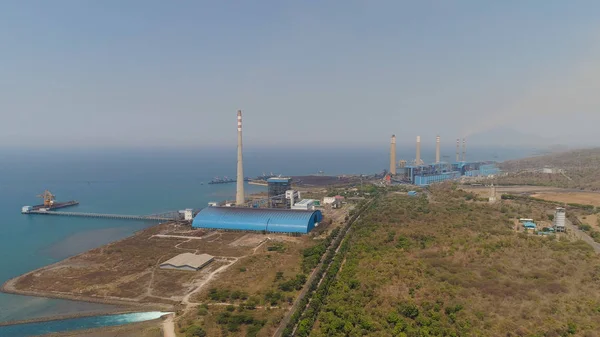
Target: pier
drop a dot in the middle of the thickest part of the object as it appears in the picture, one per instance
(169, 216)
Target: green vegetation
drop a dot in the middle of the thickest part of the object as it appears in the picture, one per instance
(276, 247)
(293, 284)
(315, 297)
(195, 331)
(233, 322)
(224, 295)
(453, 268)
(311, 256)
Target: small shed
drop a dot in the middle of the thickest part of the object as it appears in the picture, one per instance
(529, 225)
(187, 261)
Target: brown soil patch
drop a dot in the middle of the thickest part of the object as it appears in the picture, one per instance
(123, 270)
(586, 198)
(591, 220)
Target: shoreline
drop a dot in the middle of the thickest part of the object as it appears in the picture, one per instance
(125, 305)
(72, 316)
(110, 331)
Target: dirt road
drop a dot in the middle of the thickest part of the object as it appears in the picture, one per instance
(168, 327)
(583, 236)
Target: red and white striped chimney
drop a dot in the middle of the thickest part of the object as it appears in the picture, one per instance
(239, 195)
(437, 149)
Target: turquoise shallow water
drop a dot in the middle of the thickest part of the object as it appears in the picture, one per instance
(133, 182)
(77, 324)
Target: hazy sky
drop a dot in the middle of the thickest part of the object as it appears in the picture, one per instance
(173, 73)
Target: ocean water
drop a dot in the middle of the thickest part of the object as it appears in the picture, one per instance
(130, 182)
(78, 324)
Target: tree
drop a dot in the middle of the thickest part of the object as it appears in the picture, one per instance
(195, 331)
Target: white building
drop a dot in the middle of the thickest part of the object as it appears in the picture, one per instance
(328, 200)
(305, 205)
(188, 214)
(292, 196)
(187, 261)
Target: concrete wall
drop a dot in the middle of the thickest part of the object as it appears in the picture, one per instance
(187, 268)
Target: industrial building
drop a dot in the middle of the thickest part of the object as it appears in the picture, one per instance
(277, 187)
(257, 219)
(425, 174)
(187, 261)
(305, 205)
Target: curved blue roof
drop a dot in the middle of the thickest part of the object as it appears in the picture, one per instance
(257, 219)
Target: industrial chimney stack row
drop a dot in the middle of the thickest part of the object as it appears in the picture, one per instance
(418, 152)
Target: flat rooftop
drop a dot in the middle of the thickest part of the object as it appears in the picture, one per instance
(189, 259)
(305, 202)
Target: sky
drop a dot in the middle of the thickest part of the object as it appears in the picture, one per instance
(148, 73)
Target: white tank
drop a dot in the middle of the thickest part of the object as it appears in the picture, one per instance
(559, 217)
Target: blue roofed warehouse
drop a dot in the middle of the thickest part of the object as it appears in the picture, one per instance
(257, 219)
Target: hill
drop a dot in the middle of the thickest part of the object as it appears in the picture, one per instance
(580, 169)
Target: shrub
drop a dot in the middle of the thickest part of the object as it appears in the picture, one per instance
(409, 310)
(195, 331)
(585, 227)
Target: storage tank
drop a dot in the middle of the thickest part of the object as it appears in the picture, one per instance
(559, 219)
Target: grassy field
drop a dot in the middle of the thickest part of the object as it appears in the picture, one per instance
(453, 267)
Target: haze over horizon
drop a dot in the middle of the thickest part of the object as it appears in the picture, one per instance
(135, 73)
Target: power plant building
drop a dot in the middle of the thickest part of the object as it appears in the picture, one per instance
(277, 188)
(257, 219)
(425, 174)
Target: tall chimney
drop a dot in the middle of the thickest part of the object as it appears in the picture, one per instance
(457, 149)
(437, 149)
(393, 155)
(464, 148)
(418, 158)
(239, 196)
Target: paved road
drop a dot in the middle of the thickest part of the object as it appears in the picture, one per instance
(582, 235)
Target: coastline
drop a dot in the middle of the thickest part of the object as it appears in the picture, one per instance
(70, 316)
(125, 305)
(125, 330)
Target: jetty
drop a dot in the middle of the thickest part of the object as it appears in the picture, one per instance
(169, 216)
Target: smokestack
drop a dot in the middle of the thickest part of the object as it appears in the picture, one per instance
(418, 158)
(393, 155)
(437, 149)
(239, 196)
(457, 149)
(464, 148)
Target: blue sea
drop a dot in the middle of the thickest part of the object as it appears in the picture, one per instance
(135, 181)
